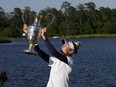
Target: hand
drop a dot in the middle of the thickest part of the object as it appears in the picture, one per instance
(25, 28)
(43, 31)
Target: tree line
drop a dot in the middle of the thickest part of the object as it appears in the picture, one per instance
(69, 20)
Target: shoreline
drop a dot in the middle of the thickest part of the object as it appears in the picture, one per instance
(93, 36)
(5, 40)
(8, 40)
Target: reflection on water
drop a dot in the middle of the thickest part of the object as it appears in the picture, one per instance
(94, 66)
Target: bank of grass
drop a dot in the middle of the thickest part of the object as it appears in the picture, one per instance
(93, 36)
(5, 40)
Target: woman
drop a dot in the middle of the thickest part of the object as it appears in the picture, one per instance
(60, 62)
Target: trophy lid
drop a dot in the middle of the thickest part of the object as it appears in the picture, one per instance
(36, 22)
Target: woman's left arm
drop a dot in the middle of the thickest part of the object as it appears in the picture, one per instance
(54, 52)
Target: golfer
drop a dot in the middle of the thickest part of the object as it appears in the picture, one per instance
(60, 62)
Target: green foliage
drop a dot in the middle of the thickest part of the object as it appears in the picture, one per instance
(69, 21)
(5, 32)
(5, 40)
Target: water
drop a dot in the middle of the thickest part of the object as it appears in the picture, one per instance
(94, 66)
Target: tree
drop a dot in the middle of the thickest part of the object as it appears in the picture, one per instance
(15, 22)
(65, 10)
(69, 20)
(105, 13)
(2, 18)
(90, 6)
(108, 28)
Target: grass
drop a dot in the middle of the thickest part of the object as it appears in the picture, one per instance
(93, 36)
(5, 40)
(8, 40)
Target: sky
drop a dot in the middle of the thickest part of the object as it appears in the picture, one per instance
(37, 5)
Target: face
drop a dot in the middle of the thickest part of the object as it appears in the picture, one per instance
(65, 49)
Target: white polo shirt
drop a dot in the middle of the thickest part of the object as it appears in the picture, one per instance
(59, 74)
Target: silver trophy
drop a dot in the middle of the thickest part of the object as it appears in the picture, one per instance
(33, 32)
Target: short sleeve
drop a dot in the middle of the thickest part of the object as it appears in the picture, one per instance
(52, 60)
(70, 61)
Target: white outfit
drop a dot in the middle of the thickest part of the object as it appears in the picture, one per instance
(59, 74)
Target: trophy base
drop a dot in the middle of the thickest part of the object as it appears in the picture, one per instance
(29, 52)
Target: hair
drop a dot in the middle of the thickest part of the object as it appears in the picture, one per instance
(75, 48)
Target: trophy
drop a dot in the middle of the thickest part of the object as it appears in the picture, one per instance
(33, 32)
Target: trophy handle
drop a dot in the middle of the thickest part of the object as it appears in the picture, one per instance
(53, 18)
(23, 17)
(23, 34)
(39, 36)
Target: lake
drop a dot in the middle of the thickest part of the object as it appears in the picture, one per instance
(94, 66)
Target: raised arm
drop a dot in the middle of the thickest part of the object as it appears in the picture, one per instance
(42, 54)
(52, 50)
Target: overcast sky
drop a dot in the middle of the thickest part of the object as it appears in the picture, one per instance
(37, 5)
